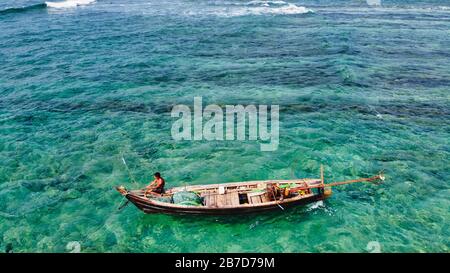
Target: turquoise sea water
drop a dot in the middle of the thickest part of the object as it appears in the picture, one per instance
(361, 88)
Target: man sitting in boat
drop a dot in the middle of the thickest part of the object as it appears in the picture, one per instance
(157, 185)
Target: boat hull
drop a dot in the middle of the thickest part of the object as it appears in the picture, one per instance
(150, 207)
(241, 197)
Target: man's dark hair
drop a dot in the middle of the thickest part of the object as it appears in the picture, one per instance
(157, 174)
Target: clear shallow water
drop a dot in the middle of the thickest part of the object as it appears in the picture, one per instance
(360, 89)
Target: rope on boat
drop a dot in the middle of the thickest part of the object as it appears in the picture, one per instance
(276, 201)
(128, 170)
(121, 206)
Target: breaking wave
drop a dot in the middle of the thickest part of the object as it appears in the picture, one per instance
(255, 7)
(65, 4)
(265, 3)
(282, 9)
(69, 3)
(23, 9)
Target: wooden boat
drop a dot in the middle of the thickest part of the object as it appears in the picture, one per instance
(240, 197)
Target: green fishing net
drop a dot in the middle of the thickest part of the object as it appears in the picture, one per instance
(187, 198)
(164, 199)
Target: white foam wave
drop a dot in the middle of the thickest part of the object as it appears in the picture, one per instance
(69, 3)
(286, 9)
(315, 205)
(373, 2)
(443, 8)
(264, 3)
(400, 9)
(319, 206)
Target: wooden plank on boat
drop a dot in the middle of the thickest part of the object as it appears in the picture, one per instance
(228, 199)
(250, 194)
(234, 199)
(210, 199)
(265, 198)
(221, 200)
(256, 199)
(213, 200)
(207, 199)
